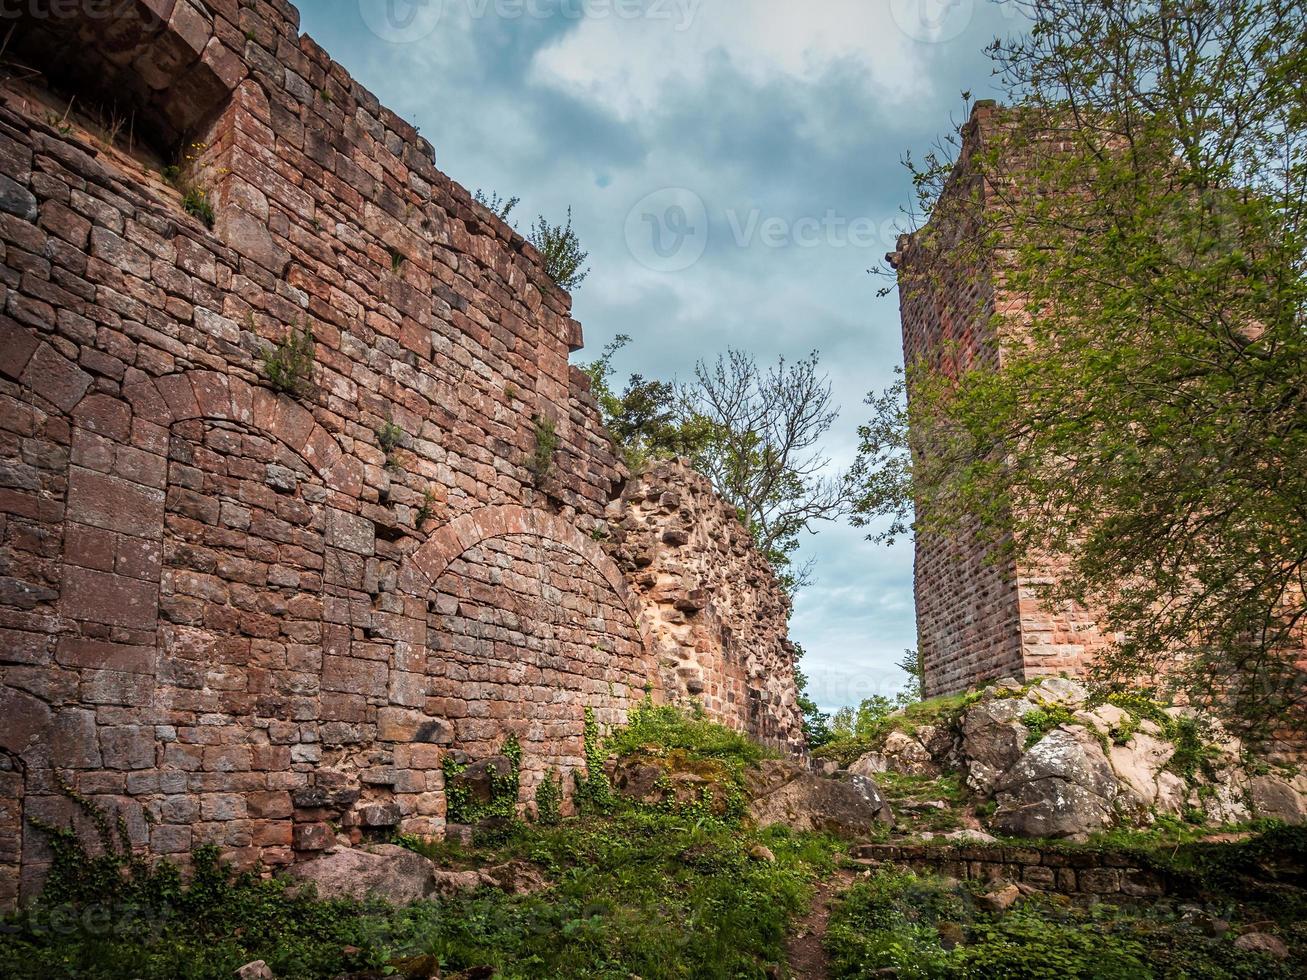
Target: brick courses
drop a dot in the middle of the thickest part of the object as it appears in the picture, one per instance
(231, 613)
(979, 617)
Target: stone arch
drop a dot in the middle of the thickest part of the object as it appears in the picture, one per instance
(108, 599)
(429, 562)
(526, 622)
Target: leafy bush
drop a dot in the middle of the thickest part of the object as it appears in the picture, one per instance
(289, 366)
(560, 247)
(918, 926)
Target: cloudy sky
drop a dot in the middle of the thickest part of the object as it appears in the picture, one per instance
(733, 167)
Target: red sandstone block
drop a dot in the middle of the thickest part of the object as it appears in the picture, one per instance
(55, 378)
(115, 600)
(106, 416)
(179, 396)
(17, 345)
(89, 547)
(116, 687)
(100, 654)
(115, 504)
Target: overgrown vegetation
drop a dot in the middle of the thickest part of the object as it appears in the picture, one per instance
(461, 806)
(289, 365)
(920, 926)
(390, 437)
(857, 732)
(754, 431)
(546, 443)
(560, 247)
(195, 195)
(1149, 426)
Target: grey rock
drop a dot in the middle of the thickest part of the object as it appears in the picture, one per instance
(17, 199)
(1264, 943)
(387, 871)
(787, 793)
(1277, 798)
(1062, 787)
(993, 739)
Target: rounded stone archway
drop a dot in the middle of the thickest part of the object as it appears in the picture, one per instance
(528, 624)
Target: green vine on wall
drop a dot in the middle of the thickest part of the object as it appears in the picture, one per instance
(461, 807)
(594, 792)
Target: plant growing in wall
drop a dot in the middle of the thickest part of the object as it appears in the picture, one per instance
(390, 437)
(461, 807)
(560, 247)
(500, 207)
(195, 195)
(289, 365)
(541, 461)
(549, 799)
(426, 512)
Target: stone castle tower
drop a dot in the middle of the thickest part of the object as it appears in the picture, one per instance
(978, 615)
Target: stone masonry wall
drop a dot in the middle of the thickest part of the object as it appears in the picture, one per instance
(979, 617)
(710, 604)
(1084, 874)
(248, 617)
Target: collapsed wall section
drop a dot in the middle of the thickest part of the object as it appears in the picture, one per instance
(254, 614)
(712, 607)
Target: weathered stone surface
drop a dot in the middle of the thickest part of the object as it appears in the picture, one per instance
(386, 871)
(1280, 798)
(238, 607)
(478, 779)
(1264, 943)
(787, 793)
(1062, 787)
(899, 753)
(993, 739)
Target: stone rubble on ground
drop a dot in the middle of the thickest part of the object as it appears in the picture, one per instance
(1104, 769)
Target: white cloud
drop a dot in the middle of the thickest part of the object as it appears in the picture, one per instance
(626, 64)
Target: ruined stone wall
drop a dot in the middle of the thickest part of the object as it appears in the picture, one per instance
(979, 616)
(245, 616)
(711, 606)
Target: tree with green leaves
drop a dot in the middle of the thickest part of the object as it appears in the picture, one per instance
(1139, 207)
(558, 244)
(646, 418)
(754, 433)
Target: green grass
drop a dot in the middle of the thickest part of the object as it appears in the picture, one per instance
(639, 893)
(943, 711)
(920, 926)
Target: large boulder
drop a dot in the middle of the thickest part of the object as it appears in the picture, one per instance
(385, 871)
(1139, 764)
(1063, 786)
(1279, 798)
(899, 753)
(401, 877)
(784, 792)
(993, 739)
